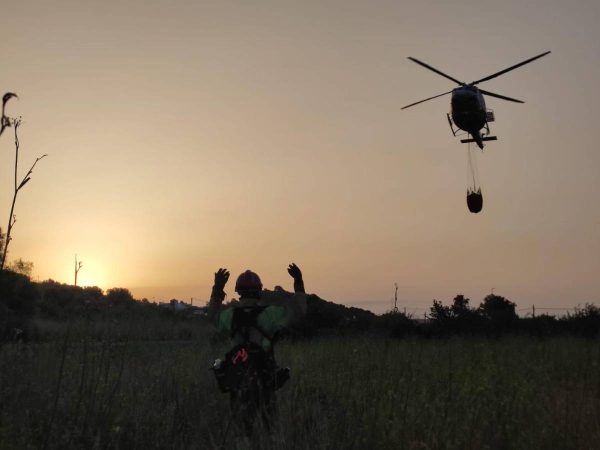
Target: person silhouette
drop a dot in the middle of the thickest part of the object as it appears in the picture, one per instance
(249, 372)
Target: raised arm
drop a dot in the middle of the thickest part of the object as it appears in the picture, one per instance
(299, 298)
(296, 274)
(218, 294)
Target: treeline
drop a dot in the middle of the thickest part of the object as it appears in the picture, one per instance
(494, 316)
(44, 310)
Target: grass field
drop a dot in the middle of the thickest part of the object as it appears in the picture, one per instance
(117, 391)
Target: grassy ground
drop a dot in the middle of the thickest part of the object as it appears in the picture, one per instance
(114, 391)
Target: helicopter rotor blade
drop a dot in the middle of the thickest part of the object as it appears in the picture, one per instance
(430, 98)
(427, 66)
(503, 97)
(502, 72)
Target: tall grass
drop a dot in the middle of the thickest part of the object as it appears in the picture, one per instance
(112, 389)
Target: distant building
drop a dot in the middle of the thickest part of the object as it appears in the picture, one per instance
(182, 307)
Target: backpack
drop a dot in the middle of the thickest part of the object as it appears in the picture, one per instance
(247, 365)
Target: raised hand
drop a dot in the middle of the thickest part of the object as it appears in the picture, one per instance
(221, 277)
(294, 271)
(296, 274)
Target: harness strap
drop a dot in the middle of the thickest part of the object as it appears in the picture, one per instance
(244, 318)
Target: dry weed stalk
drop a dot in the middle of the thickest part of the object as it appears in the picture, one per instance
(15, 123)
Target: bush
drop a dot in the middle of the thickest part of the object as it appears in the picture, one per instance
(17, 304)
(395, 324)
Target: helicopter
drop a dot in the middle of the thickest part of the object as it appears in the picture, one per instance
(468, 110)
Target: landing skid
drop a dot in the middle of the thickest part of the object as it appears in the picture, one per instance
(485, 131)
(452, 125)
(487, 138)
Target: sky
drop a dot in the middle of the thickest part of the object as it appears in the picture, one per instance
(192, 135)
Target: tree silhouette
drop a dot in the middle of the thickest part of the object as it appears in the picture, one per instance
(498, 309)
(460, 306)
(439, 312)
(119, 296)
(78, 266)
(2, 241)
(22, 267)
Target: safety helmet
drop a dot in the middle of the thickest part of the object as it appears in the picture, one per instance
(248, 281)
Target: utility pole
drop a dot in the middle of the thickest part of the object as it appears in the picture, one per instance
(532, 310)
(78, 265)
(396, 298)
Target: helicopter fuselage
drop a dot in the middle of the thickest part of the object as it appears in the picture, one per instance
(468, 109)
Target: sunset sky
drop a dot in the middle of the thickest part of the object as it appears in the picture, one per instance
(187, 136)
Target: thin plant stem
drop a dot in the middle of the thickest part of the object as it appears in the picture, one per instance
(18, 186)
